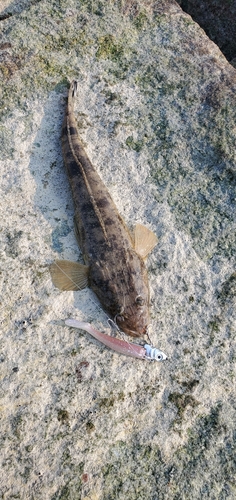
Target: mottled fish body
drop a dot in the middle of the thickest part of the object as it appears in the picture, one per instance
(114, 260)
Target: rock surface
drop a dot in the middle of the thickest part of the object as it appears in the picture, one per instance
(156, 112)
(217, 18)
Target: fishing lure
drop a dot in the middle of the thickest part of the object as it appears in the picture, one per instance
(122, 346)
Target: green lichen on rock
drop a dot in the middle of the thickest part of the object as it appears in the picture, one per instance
(135, 470)
(181, 401)
(138, 470)
(63, 416)
(90, 427)
(192, 457)
(106, 403)
(227, 293)
(140, 21)
(72, 489)
(109, 48)
(13, 243)
(132, 144)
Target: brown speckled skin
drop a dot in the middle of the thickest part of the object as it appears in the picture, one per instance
(117, 274)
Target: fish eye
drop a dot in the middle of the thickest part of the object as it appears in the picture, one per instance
(120, 318)
(139, 300)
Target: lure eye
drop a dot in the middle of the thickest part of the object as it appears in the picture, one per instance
(139, 300)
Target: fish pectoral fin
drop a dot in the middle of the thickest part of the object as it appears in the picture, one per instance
(144, 240)
(67, 275)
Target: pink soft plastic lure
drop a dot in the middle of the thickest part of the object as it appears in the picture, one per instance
(118, 345)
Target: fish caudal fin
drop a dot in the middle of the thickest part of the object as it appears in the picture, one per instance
(67, 275)
(144, 240)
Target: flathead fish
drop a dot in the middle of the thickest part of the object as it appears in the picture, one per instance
(114, 259)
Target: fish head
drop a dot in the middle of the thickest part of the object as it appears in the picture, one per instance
(134, 317)
(133, 314)
(125, 291)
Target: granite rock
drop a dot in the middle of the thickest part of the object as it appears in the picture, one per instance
(156, 113)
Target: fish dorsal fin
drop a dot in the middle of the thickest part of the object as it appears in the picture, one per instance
(144, 240)
(67, 275)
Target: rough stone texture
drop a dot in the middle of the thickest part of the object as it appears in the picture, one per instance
(217, 18)
(156, 112)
